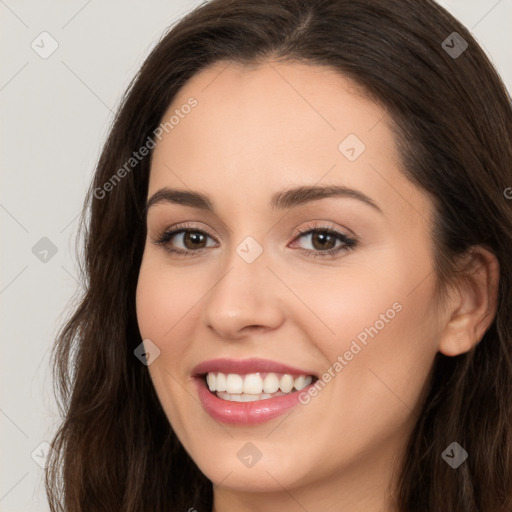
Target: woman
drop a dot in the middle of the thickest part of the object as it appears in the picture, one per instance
(298, 273)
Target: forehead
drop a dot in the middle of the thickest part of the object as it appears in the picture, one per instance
(273, 126)
(288, 107)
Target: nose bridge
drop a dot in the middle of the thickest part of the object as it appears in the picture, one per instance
(244, 294)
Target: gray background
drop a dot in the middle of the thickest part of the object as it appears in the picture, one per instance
(55, 114)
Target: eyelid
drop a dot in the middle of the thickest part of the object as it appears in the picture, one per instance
(327, 227)
(349, 241)
(187, 226)
(191, 225)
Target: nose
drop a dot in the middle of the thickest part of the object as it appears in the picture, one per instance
(245, 298)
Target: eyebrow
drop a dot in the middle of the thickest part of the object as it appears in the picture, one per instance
(281, 200)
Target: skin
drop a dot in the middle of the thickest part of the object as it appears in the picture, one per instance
(254, 132)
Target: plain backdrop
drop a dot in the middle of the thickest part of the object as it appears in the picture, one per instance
(55, 115)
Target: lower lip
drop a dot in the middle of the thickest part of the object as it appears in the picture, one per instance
(245, 413)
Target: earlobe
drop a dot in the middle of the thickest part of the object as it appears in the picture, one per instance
(473, 303)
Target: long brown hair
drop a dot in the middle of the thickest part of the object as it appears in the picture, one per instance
(115, 449)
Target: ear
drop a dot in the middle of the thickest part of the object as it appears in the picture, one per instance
(473, 303)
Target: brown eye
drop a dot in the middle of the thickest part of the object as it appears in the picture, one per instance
(194, 240)
(323, 241)
(188, 241)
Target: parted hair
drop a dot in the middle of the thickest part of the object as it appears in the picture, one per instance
(452, 118)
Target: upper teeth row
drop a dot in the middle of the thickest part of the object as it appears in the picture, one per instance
(254, 384)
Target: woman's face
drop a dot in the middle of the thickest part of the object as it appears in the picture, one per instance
(353, 307)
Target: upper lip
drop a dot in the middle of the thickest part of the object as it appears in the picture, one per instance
(245, 366)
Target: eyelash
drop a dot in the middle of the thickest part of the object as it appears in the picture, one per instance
(349, 243)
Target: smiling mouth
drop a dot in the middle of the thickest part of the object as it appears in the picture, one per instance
(252, 387)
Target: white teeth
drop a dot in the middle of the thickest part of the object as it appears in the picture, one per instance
(271, 383)
(301, 382)
(234, 383)
(243, 398)
(220, 383)
(252, 385)
(286, 384)
(210, 380)
(247, 398)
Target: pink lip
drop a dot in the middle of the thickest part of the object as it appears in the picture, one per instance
(245, 413)
(245, 366)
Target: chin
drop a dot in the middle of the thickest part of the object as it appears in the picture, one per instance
(268, 474)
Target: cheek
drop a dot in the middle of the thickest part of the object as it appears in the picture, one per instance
(379, 317)
(161, 299)
(148, 303)
(342, 302)
(377, 360)
(161, 305)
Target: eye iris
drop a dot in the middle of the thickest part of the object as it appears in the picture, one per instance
(324, 238)
(193, 237)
